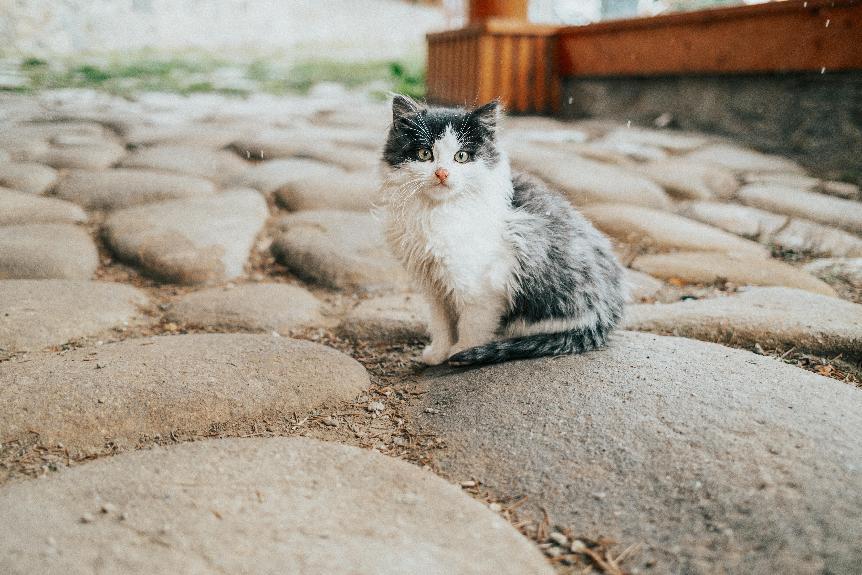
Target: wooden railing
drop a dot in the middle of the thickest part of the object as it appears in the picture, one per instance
(505, 59)
(797, 35)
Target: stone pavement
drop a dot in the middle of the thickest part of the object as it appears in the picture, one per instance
(209, 270)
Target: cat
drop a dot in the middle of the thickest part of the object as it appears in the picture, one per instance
(509, 268)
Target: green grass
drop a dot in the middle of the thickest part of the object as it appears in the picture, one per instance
(128, 75)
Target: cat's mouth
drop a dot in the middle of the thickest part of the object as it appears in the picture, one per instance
(439, 191)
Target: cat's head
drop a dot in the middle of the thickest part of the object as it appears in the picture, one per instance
(442, 153)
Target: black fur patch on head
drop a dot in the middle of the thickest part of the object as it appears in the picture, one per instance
(416, 126)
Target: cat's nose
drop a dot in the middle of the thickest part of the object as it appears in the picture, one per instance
(442, 174)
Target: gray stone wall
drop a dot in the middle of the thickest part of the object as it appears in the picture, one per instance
(814, 118)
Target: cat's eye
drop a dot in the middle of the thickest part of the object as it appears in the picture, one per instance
(424, 154)
(461, 156)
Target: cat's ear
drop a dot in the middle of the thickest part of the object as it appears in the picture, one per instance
(403, 106)
(488, 115)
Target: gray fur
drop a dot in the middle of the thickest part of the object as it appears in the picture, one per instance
(566, 269)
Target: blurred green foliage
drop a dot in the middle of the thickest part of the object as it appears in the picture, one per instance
(144, 72)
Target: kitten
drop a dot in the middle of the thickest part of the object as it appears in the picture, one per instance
(510, 269)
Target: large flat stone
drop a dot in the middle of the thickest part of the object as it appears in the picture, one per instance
(192, 241)
(586, 181)
(218, 165)
(778, 230)
(27, 177)
(711, 267)
(662, 231)
(251, 307)
(343, 148)
(717, 460)
(672, 140)
(121, 188)
(743, 159)
(393, 318)
(335, 190)
(35, 314)
(773, 317)
(84, 155)
(212, 136)
(22, 208)
(46, 251)
(843, 274)
(269, 176)
(134, 389)
(821, 208)
(687, 179)
(266, 506)
(338, 249)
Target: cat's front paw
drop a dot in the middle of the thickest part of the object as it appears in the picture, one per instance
(434, 356)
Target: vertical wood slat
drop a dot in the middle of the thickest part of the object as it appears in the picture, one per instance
(505, 50)
(477, 64)
(527, 65)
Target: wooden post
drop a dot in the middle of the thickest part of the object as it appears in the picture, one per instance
(483, 10)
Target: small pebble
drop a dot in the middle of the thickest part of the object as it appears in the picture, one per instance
(431, 410)
(330, 422)
(108, 508)
(599, 495)
(376, 406)
(553, 552)
(468, 483)
(87, 518)
(578, 546)
(495, 507)
(558, 538)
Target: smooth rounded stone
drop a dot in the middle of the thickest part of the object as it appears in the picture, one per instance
(336, 190)
(308, 142)
(269, 176)
(122, 187)
(218, 165)
(740, 159)
(339, 250)
(641, 286)
(47, 251)
(212, 136)
(740, 220)
(792, 180)
(588, 182)
(821, 208)
(843, 274)
(663, 231)
(191, 241)
(674, 141)
(392, 318)
(690, 180)
(816, 239)
(88, 156)
(27, 177)
(262, 505)
(711, 267)
(158, 385)
(23, 208)
(772, 317)
(844, 190)
(716, 459)
(35, 314)
(773, 229)
(642, 152)
(253, 307)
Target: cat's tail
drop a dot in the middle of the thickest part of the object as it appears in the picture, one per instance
(561, 343)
